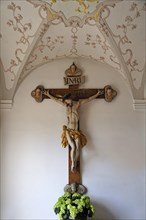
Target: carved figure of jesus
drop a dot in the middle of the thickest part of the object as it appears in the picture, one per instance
(71, 135)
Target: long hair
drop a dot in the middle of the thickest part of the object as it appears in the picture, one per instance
(66, 96)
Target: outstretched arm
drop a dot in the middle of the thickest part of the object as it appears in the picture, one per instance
(53, 97)
(91, 97)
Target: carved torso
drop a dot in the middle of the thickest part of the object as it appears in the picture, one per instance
(72, 111)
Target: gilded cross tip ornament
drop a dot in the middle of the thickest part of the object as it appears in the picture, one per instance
(109, 93)
(37, 93)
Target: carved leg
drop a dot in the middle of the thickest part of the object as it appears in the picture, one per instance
(73, 150)
(77, 151)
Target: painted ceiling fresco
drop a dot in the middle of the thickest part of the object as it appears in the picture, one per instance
(34, 32)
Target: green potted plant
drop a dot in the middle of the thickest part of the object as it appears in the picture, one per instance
(74, 206)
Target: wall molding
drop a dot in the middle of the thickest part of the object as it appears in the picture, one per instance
(139, 104)
(6, 104)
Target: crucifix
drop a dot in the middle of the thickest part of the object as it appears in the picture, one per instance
(72, 98)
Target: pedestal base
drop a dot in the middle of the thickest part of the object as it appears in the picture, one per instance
(74, 187)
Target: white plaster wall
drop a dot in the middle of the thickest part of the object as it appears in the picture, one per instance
(34, 165)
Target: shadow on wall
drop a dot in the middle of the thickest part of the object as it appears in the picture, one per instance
(103, 213)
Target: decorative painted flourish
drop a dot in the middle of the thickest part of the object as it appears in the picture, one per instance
(75, 23)
(51, 44)
(23, 29)
(95, 42)
(129, 25)
(47, 43)
(74, 40)
(91, 8)
(84, 5)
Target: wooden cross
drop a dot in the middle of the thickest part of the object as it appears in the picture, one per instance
(73, 78)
